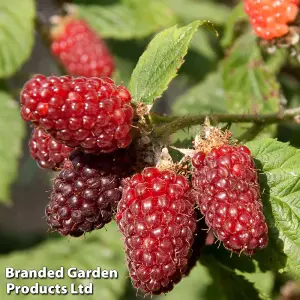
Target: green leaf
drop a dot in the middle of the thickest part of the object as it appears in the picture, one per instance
(289, 132)
(12, 130)
(211, 280)
(275, 61)
(160, 62)
(238, 15)
(185, 138)
(262, 281)
(126, 53)
(100, 249)
(248, 84)
(123, 70)
(209, 97)
(190, 10)
(16, 34)
(291, 89)
(202, 45)
(127, 19)
(245, 266)
(280, 176)
(206, 97)
(227, 283)
(196, 284)
(240, 86)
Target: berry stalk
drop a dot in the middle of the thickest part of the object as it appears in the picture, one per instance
(175, 123)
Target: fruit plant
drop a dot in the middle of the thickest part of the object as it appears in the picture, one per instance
(168, 136)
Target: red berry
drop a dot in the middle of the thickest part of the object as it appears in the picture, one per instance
(47, 152)
(228, 195)
(81, 51)
(156, 217)
(270, 18)
(89, 113)
(86, 192)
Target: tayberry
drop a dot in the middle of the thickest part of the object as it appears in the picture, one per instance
(156, 217)
(88, 113)
(227, 190)
(86, 192)
(81, 50)
(270, 19)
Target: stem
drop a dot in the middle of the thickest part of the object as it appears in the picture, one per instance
(173, 124)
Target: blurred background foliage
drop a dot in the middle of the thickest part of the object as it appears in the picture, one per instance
(226, 75)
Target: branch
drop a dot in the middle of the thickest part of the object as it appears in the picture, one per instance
(173, 124)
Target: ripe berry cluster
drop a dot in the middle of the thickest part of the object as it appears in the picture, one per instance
(82, 129)
(270, 19)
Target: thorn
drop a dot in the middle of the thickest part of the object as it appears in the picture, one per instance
(241, 252)
(198, 220)
(205, 229)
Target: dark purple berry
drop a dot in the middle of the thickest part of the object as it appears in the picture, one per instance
(86, 192)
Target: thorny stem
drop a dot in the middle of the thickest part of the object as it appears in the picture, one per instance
(168, 125)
